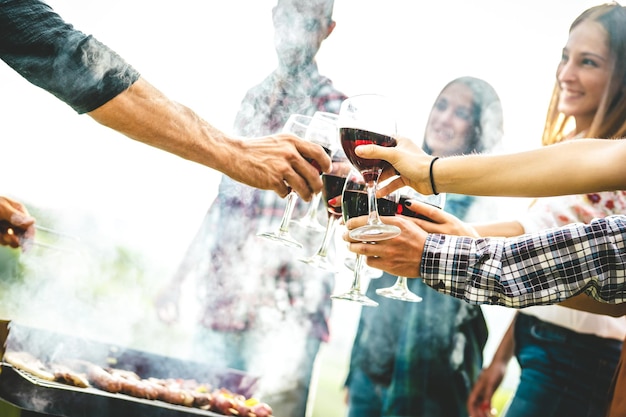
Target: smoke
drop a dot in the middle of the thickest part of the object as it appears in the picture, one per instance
(81, 280)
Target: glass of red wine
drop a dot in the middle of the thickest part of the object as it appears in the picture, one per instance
(363, 120)
(334, 183)
(400, 290)
(354, 203)
(317, 131)
(309, 220)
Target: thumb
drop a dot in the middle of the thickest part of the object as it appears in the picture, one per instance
(374, 152)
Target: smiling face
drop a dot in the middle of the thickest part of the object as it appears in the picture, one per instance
(583, 73)
(451, 121)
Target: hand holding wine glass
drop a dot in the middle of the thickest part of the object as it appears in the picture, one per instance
(313, 130)
(400, 290)
(354, 203)
(368, 119)
(309, 220)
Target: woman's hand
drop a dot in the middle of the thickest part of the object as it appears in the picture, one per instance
(408, 161)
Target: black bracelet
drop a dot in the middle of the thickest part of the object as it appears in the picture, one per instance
(430, 171)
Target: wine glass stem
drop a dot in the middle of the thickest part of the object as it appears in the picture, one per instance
(372, 204)
(356, 282)
(311, 213)
(402, 283)
(330, 228)
(291, 203)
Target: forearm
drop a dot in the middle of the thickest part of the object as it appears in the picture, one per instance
(573, 167)
(585, 303)
(145, 114)
(506, 348)
(503, 229)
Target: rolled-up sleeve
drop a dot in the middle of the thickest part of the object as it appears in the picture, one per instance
(50, 53)
(540, 268)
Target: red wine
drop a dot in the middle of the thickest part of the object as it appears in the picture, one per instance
(314, 162)
(333, 186)
(354, 204)
(402, 209)
(351, 138)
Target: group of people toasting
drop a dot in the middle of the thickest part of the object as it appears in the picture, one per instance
(568, 250)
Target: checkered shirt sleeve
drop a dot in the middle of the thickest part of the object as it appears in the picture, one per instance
(540, 268)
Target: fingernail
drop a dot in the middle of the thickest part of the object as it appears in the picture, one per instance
(333, 201)
(407, 203)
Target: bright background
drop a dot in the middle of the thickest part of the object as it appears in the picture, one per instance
(207, 53)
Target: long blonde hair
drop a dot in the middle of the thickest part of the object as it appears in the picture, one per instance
(609, 121)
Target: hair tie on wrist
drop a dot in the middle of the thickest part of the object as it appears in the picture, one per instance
(430, 171)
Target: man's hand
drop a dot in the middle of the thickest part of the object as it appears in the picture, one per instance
(400, 255)
(16, 225)
(282, 161)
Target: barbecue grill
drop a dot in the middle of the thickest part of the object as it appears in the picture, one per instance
(34, 396)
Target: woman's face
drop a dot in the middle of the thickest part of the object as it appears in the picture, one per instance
(583, 73)
(451, 121)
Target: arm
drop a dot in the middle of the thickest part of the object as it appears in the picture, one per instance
(143, 113)
(572, 167)
(540, 268)
(479, 399)
(91, 78)
(585, 303)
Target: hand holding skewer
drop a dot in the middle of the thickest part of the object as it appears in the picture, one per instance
(16, 224)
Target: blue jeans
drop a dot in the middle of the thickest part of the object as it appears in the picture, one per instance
(365, 397)
(563, 373)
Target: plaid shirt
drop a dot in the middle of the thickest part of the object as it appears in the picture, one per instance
(540, 268)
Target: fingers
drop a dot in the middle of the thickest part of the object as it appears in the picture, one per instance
(376, 152)
(305, 178)
(387, 188)
(16, 224)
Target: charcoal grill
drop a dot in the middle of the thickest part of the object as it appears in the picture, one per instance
(38, 397)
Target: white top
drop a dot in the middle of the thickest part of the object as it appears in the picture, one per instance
(558, 211)
(580, 321)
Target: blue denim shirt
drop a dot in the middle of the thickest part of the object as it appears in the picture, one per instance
(75, 67)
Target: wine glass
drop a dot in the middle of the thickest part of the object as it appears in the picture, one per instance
(354, 203)
(317, 131)
(309, 220)
(400, 290)
(334, 183)
(368, 119)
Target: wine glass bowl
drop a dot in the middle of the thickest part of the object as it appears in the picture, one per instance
(314, 130)
(333, 185)
(368, 119)
(309, 219)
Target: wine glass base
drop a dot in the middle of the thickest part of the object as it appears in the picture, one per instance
(310, 225)
(281, 237)
(399, 293)
(356, 296)
(320, 262)
(374, 232)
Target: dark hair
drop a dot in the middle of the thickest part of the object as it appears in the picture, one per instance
(487, 117)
